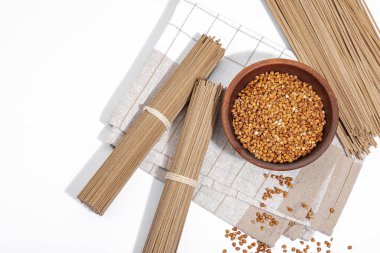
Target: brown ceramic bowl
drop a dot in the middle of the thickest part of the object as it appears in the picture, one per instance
(304, 73)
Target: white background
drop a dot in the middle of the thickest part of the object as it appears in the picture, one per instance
(63, 65)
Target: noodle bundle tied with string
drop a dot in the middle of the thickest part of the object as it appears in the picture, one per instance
(150, 124)
(172, 209)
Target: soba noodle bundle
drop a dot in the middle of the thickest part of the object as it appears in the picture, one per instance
(150, 124)
(172, 209)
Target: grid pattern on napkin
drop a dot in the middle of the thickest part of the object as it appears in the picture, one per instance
(189, 21)
(230, 187)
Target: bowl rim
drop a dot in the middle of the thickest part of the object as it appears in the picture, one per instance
(229, 132)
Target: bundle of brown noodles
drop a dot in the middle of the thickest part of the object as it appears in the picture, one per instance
(150, 124)
(171, 214)
(339, 39)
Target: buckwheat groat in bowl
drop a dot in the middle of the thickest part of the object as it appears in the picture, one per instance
(279, 114)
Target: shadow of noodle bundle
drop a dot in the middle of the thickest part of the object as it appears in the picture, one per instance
(340, 39)
(146, 130)
(172, 209)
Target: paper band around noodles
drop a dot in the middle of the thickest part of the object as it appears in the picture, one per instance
(181, 179)
(158, 115)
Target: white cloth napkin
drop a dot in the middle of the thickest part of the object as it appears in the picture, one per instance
(230, 187)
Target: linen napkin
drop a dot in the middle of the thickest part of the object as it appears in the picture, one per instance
(230, 187)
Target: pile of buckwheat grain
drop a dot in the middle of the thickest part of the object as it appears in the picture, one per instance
(278, 118)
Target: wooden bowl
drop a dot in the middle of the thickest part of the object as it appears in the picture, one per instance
(304, 73)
